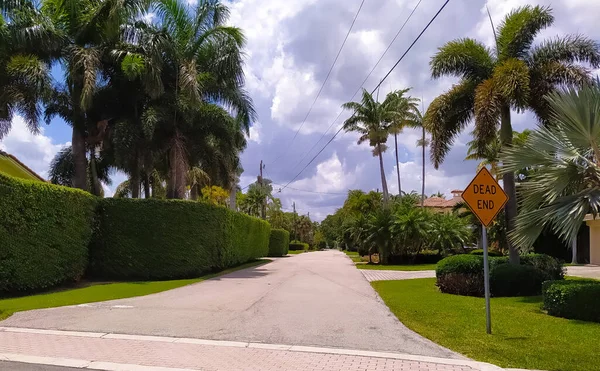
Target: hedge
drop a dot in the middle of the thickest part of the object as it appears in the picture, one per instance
(422, 257)
(279, 242)
(44, 234)
(169, 239)
(490, 252)
(463, 275)
(297, 245)
(577, 299)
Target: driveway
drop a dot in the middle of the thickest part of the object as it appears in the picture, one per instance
(317, 299)
(587, 271)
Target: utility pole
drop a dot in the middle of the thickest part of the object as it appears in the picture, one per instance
(294, 222)
(263, 208)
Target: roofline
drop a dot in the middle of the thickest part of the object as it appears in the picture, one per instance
(23, 165)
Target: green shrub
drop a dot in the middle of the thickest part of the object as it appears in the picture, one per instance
(515, 280)
(422, 257)
(297, 245)
(577, 299)
(279, 242)
(460, 275)
(169, 239)
(490, 252)
(44, 234)
(550, 267)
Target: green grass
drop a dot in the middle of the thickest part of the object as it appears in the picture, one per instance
(102, 291)
(523, 336)
(406, 267)
(354, 256)
(294, 252)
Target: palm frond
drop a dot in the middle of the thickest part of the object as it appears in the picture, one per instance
(464, 58)
(519, 28)
(511, 82)
(567, 49)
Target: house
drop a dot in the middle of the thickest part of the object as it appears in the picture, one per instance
(441, 205)
(10, 165)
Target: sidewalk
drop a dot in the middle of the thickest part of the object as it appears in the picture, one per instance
(103, 351)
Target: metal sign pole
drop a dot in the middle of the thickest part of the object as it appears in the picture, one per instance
(486, 280)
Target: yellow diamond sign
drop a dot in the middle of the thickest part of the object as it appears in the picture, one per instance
(485, 197)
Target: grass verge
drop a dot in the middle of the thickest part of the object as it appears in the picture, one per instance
(523, 336)
(407, 267)
(295, 252)
(95, 292)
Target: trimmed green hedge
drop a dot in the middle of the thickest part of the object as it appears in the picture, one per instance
(490, 252)
(463, 275)
(169, 239)
(44, 234)
(577, 299)
(297, 245)
(279, 242)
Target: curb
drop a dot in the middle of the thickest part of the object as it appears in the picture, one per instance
(97, 365)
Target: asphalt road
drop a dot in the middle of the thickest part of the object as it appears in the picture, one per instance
(16, 366)
(316, 298)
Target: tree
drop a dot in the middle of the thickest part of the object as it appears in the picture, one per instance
(215, 195)
(406, 115)
(380, 225)
(411, 228)
(423, 142)
(449, 232)
(489, 154)
(372, 120)
(516, 75)
(564, 157)
(62, 171)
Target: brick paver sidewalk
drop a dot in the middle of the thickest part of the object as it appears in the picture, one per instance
(123, 352)
(377, 275)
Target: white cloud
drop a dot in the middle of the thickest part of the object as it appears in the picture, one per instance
(255, 133)
(35, 151)
(331, 176)
(435, 180)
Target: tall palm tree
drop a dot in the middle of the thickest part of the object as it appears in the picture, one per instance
(564, 157)
(372, 120)
(204, 64)
(406, 116)
(516, 75)
(423, 142)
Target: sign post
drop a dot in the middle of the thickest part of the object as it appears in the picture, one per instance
(485, 198)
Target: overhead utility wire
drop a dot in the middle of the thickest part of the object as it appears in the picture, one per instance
(361, 85)
(323, 84)
(376, 87)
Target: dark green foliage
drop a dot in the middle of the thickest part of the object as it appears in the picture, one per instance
(159, 239)
(490, 252)
(460, 275)
(297, 245)
(44, 234)
(463, 275)
(279, 242)
(422, 257)
(578, 299)
(515, 280)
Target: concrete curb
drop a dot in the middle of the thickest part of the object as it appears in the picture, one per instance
(96, 365)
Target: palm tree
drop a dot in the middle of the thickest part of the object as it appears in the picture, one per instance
(204, 65)
(412, 227)
(372, 120)
(449, 232)
(380, 231)
(488, 155)
(406, 115)
(423, 142)
(62, 171)
(24, 64)
(564, 157)
(516, 75)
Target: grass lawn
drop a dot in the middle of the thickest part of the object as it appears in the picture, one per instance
(523, 336)
(408, 267)
(354, 256)
(101, 292)
(294, 252)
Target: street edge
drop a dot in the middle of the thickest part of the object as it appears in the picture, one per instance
(76, 363)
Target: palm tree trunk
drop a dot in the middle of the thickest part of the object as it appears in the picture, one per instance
(233, 198)
(177, 168)
(423, 174)
(574, 251)
(508, 180)
(135, 178)
(79, 159)
(147, 171)
(383, 181)
(397, 164)
(194, 192)
(94, 182)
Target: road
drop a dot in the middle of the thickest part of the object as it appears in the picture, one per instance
(315, 299)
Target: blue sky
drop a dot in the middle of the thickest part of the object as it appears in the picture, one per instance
(291, 45)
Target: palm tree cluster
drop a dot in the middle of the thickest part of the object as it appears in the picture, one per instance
(160, 100)
(401, 229)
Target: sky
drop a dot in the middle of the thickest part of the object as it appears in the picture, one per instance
(290, 48)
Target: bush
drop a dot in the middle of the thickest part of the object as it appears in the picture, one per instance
(490, 252)
(279, 242)
(44, 234)
(577, 299)
(463, 275)
(460, 275)
(423, 257)
(169, 239)
(297, 245)
(515, 280)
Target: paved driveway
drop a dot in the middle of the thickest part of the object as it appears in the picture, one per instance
(316, 298)
(587, 271)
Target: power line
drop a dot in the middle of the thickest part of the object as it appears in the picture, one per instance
(305, 190)
(362, 84)
(324, 81)
(376, 87)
